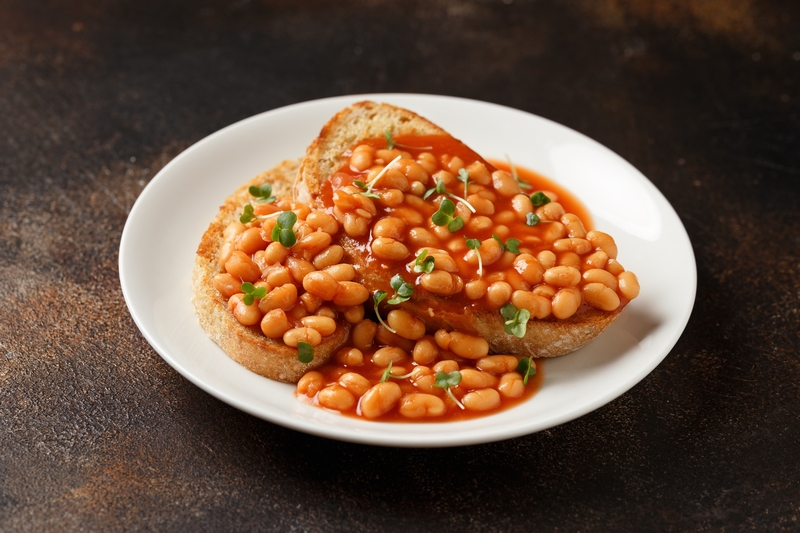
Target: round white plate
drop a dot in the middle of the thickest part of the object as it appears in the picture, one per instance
(158, 246)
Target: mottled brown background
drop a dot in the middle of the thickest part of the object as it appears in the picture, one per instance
(97, 433)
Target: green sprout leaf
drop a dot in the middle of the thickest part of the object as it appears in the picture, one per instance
(402, 290)
(444, 216)
(251, 293)
(539, 199)
(438, 189)
(247, 215)
(445, 380)
(512, 245)
(377, 298)
(423, 263)
(263, 193)
(527, 368)
(389, 139)
(387, 374)
(475, 244)
(305, 352)
(522, 184)
(366, 190)
(463, 176)
(531, 219)
(516, 320)
(283, 232)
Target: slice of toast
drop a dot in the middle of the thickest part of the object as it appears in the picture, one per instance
(547, 337)
(246, 345)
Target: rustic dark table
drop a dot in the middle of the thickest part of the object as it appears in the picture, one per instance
(98, 433)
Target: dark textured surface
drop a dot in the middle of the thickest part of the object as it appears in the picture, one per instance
(97, 433)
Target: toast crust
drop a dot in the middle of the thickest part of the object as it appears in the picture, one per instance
(547, 337)
(247, 345)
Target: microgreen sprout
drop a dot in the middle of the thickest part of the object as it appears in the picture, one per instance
(512, 244)
(444, 216)
(424, 263)
(531, 219)
(475, 244)
(367, 187)
(390, 144)
(522, 184)
(387, 374)
(516, 320)
(252, 293)
(539, 199)
(463, 175)
(527, 368)
(263, 193)
(441, 189)
(305, 352)
(283, 232)
(247, 215)
(402, 290)
(377, 298)
(445, 380)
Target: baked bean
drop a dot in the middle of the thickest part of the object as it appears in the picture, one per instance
(250, 241)
(490, 251)
(233, 230)
(453, 164)
(444, 176)
(276, 253)
(319, 220)
(350, 293)
(425, 351)
(504, 183)
(566, 302)
(481, 205)
(476, 379)
(574, 225)
(468, 346)
(417, 188)
(438, 282)
(502, 231)
(572, 244)
(301, 210)
(614, 267)
(552, 231)
(247, 315)
(225, 252)
(497, 364)
(442, 338)
(312, 244)
(279, 275)
(326, 326)
(226, 285)
(598, 259)
(475, 289)
(420, 405)
(275, 323)
(282, 297)
(391, 197)
(428, 161)
(350, 357)
(241, 266)
(522, 206)
(481, 400)
(412, 217)
(310, 383)
(598, 275)
(361, 159)
(628, 285)
(447, 365)
(529, 267)
(354, 315)
(550, 211)
(296, 335)
(380, 399)
(296, 313)
(463, 211)
(387, 338)
(390, 249)
(383, 356)
(299, 268)
(354, 225)
(603, 241)
(393, 179)
(310, 302)
(570, 259)
(322, 284)
(325, 310)
(443, 261)
(341, 272)
(391, 155)
(511, 385)
(412, 170)
(479, 223)
(546, 258)
(355, 383)
(363, 333)
(538, 306)
(267, 225)
(505, 217)
(421, 238)
(329, 256)
(405, 324)
(336, 397)
(600, 296)
(516, 281)
(301, 229)
(498, 294)
(389, 227)
(562, 276)
(545, 291)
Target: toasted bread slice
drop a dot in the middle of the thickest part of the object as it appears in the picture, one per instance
(247, 345)
(549, 337)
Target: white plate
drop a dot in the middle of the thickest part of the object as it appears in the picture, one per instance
(158, 245)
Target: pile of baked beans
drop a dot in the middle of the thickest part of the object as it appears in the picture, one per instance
(381, 205)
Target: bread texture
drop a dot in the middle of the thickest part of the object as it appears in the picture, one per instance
(549, 337)
(247, 345)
